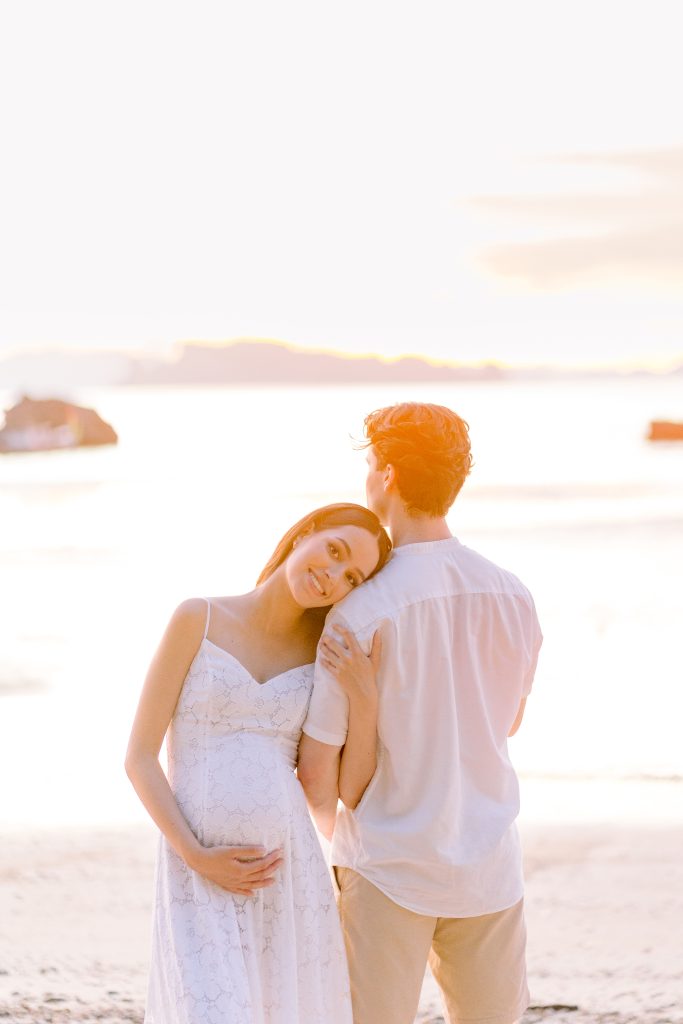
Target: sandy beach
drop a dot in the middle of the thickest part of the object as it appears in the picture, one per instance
(604, 908)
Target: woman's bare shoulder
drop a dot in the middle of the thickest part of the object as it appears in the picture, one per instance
(190, 611)
(188, 620)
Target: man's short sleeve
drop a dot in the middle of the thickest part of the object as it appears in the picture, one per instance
(328, 712)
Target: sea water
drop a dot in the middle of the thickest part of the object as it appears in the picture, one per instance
(98, 546)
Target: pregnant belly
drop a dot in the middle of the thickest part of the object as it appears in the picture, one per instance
(241, 792)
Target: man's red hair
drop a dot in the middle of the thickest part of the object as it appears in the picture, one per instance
(429, 448)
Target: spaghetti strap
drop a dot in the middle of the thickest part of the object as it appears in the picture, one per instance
(208, 618)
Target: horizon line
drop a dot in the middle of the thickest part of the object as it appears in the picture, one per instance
(173, 352)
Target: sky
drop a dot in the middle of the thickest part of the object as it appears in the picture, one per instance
(470, 182)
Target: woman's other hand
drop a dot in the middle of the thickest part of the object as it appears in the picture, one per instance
(238, 869)
(355, 671)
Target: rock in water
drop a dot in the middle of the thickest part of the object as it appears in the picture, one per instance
(49, 423)
(665, 430)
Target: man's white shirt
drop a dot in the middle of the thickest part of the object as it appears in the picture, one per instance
(435, 829)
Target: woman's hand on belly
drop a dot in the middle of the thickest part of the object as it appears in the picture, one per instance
(238, 869)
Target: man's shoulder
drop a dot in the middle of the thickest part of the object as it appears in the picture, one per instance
(409, 580)
(481, 573)
(375, 599)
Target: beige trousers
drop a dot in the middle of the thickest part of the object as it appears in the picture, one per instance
(478, 962)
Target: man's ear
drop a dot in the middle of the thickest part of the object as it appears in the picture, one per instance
(389, 477)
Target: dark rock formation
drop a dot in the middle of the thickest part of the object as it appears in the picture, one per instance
(48, 424)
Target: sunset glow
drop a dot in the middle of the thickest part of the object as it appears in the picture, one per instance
(251, 254)
(506, 196)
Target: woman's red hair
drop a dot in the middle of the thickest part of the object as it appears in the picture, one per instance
(340, 514)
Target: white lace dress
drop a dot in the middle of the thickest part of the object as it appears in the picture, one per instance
(276, 957)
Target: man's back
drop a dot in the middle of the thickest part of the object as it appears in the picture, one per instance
(435, 828)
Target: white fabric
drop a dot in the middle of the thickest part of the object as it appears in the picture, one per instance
(276, 957)
(435, 828)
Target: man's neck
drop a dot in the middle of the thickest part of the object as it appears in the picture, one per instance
(406, 529)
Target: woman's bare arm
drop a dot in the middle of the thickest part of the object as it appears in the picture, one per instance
(318, 773)
(224, 865)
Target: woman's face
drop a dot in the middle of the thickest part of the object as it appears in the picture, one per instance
(325, 566)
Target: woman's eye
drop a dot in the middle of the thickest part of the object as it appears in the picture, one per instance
(334, 550)
(351, 580)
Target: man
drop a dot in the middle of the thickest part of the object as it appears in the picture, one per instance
(428, 863)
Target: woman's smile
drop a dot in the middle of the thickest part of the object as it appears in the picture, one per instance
(316, 585)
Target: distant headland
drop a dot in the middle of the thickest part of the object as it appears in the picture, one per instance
(241, 362)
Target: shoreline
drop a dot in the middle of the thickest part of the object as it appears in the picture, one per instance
(604, 904)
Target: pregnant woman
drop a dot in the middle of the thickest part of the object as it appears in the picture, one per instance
(245, 925)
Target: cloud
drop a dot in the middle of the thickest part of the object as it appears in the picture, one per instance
(660, 163)
(655, 255)
(628, 236)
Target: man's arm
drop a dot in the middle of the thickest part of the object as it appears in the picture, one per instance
(534, 641)
(318, 772)
(518, 718)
